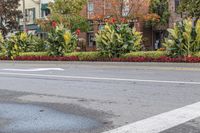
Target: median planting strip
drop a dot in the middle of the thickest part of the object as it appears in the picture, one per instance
(130, 59)
(142, 56)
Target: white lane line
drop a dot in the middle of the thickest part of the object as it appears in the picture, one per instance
(162, 122)
(100, 78)
(34, 69)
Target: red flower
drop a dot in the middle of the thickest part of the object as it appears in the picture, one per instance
(123, 20)
(78, 31)
(113, 20)
(54, 24)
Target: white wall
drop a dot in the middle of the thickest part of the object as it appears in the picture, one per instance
(46, 1)
(28, 5)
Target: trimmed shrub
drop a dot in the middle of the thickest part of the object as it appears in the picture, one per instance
(33, 54)
(85, 56)
(148, 54)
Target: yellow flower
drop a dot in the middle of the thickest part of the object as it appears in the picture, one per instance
(67, 37)
(23, 36)
(107, 27)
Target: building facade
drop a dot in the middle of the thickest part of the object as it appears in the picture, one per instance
(174, 16)
(34, 9)
(94, 10)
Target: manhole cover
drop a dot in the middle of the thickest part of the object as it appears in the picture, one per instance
(26, 118)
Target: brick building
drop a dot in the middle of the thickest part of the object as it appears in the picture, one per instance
(103, 8)
(152, 36)
(174, 16)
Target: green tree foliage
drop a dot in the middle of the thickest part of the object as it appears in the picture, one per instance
(9, 14)
(66, 12)
(191, 8)
(159, 10)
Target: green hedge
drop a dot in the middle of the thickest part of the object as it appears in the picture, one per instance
(150, 54)
(34, 54)
(84, 56)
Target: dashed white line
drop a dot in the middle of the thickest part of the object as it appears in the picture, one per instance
(162, 122)
(100, 78)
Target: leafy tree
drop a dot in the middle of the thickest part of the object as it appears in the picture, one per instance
(9, 15)
(191, 9)
(158, 14)
(129, 9)
(66, 12)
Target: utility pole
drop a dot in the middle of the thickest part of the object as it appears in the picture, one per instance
(24, 16)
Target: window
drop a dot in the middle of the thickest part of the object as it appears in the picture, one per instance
(90, 7)
(30, 15)
(177, 2)
(91, 40)
(126, 9)
(108, 5)
(44, 10)
(90, 10)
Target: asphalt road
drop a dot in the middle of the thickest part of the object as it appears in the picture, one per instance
(110, 94)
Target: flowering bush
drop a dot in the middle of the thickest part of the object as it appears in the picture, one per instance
(117, 39)
(60, 40)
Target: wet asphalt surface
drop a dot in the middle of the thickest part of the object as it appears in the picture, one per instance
(19, 116)
(94, 105)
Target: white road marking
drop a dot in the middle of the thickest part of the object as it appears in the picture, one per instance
(101, 78)
(34, 69)
(161, 122)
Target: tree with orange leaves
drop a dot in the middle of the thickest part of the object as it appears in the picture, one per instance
(130, 9)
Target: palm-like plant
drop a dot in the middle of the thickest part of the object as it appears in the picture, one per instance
(117, 39)
(183, 39)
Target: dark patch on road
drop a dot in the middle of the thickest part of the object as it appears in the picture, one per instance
(25, 118)
(97, 119)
